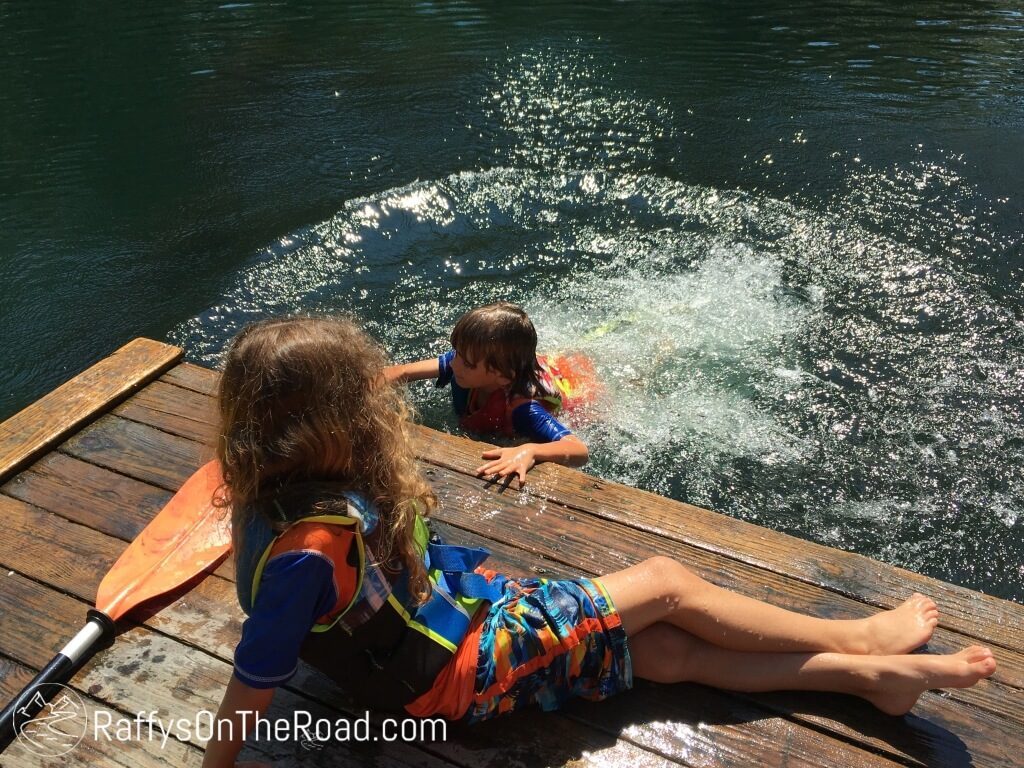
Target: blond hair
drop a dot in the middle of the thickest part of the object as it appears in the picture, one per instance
(301, 399)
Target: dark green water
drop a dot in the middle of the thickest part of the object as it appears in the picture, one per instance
(789, 235)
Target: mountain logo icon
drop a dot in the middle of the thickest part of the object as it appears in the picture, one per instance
(58, 727)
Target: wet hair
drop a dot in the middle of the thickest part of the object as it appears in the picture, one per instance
(501, 337)
(301, 399)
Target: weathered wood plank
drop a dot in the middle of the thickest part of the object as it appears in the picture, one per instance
(175, 409)
(77, 558)
(106, 501)
(139, 451)
(194, 377)
(208, 618)
(91, 753)
(113, 503)
(49, 420)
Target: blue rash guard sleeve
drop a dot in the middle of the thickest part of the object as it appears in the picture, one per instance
(460, 395)
(533, 421)
(444, 369)
(295, 590)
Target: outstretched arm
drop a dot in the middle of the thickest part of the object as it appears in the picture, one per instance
(227, 741)
(520, 459)
(296, 587)
(423, 369)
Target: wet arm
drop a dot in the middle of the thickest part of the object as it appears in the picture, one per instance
(296, 587)
(569, 450)
(520, 459)
(422, 369)
(239, 698)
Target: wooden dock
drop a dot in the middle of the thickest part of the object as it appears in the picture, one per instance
(86, 467)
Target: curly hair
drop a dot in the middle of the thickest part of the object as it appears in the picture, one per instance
(303, 399)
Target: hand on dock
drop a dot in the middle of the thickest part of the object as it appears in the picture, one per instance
(517, 460)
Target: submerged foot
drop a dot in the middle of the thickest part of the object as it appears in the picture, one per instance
(900, 681)
(900, 630)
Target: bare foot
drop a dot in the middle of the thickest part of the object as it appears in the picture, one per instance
(901, 680)
(900, 630)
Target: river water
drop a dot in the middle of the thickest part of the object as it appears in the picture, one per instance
(788, 235)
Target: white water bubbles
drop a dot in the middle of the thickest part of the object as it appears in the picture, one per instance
(686, 361)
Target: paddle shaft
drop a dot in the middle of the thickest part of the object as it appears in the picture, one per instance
(98, 633)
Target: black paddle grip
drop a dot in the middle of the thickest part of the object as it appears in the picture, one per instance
(27, 705)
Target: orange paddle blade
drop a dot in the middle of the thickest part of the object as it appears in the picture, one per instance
(186, 537)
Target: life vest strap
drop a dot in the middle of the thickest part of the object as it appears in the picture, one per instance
(457, 565)
(449, 557)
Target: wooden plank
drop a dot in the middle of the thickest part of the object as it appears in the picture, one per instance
(112, 503)
(986, 618)
(194, 377)
(73, 559)
(139, 451)
(46, 422)
(177, 410)
(91, 753)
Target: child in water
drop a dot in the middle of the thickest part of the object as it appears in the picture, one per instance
(335, 565)
(500, 387)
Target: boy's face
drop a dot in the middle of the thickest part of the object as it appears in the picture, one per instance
(476, 376)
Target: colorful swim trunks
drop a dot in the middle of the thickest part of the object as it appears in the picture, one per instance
(546, 642)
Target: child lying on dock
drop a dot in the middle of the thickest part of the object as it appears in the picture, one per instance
(335, 565)
(500, 386)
